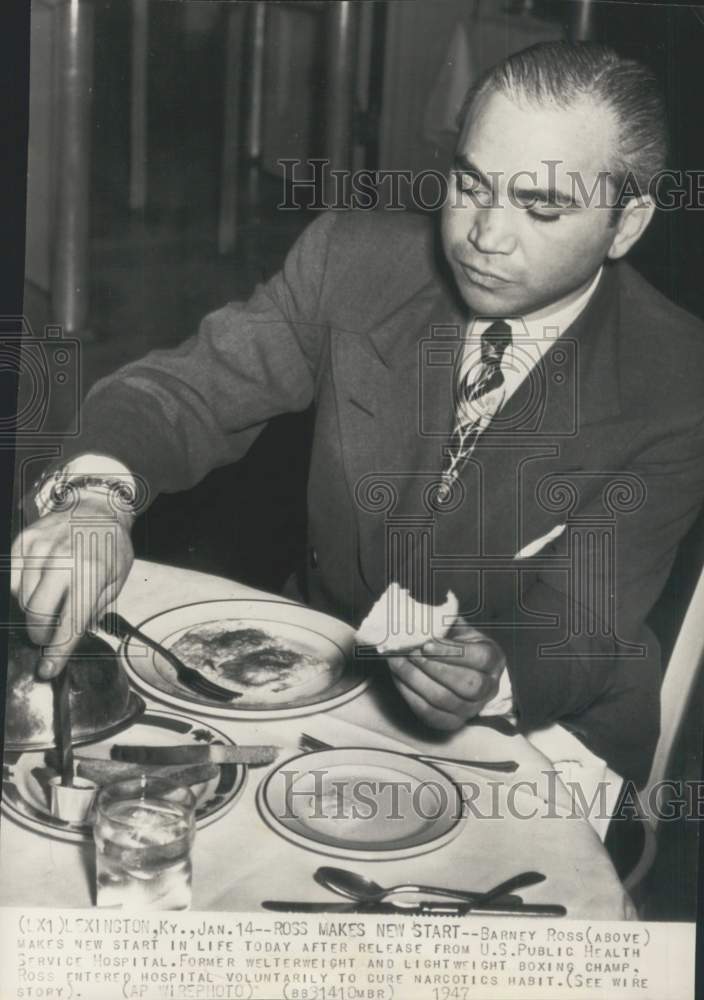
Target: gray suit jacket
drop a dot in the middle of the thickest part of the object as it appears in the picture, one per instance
(606, 436)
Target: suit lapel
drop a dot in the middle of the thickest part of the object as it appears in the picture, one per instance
(393, 421)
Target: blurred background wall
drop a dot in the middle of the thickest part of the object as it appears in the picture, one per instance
(411, 63)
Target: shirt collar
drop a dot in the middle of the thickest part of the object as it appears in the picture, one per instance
(544, 325)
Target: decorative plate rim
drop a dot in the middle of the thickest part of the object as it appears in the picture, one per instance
(362, 853)
(47, 826)
(359, 680)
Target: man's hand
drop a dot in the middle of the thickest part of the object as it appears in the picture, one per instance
(67, 567)
(448, 682)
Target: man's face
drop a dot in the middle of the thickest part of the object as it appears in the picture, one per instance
(520, 234)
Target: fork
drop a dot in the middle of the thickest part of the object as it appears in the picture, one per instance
(120, 628)
(309, 744)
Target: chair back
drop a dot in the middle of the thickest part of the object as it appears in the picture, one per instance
(681, 676)
(680, 680)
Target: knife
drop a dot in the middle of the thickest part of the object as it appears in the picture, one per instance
(284, 906)
(62, 725)
(214, 753)
(422, 908)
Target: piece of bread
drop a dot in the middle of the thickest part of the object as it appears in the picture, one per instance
(102, 771)
(398, 623)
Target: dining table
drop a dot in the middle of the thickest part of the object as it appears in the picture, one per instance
(515, 822)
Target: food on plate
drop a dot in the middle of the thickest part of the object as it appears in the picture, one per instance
(398, 623)
(197, 753)
(99, 693)
(261, 667)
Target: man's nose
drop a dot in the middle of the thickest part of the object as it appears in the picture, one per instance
(491, 230)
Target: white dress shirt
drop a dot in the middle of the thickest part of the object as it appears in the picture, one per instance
(532, 336)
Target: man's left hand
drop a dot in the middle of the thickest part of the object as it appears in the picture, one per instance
(447, 682)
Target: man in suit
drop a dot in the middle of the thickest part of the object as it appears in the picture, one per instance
(521, 423)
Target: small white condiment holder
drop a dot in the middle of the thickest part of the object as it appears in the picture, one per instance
(72, 803)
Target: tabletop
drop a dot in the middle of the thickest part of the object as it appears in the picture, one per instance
(239, 861)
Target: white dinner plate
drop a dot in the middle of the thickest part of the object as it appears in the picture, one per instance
(304, 629)
(25, 793)
(368, 805)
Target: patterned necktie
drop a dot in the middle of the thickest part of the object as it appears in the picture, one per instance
(478, 397)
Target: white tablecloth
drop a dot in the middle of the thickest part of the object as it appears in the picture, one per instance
(239, 861)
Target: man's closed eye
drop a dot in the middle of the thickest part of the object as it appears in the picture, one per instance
(545, 213)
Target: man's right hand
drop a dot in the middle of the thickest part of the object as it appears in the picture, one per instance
(67, 568)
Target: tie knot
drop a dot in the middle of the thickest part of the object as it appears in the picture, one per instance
(495, 339)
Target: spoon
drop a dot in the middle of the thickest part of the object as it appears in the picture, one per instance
(346, 883)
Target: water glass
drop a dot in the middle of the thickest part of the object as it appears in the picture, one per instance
(144, 830)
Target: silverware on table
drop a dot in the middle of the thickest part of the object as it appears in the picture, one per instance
(421, 908)
(425, 907)
(354, 886)
(497, 722)
(310, 744)
(120, 628)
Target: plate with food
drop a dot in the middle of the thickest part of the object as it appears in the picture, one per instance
(28, 776)
(279, 659)
(362, 804)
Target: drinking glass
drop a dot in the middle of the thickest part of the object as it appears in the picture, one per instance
(144, 830)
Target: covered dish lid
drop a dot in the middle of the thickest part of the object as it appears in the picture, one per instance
(100, 697)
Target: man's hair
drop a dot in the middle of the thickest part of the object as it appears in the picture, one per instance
(565, 73)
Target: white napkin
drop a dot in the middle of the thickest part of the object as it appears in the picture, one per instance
(580, 769)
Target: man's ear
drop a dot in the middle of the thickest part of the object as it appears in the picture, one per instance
(632, 221)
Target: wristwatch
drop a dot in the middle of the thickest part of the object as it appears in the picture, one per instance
(58, 490)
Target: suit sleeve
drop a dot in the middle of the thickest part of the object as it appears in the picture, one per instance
(176, 414)
(591, 662)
